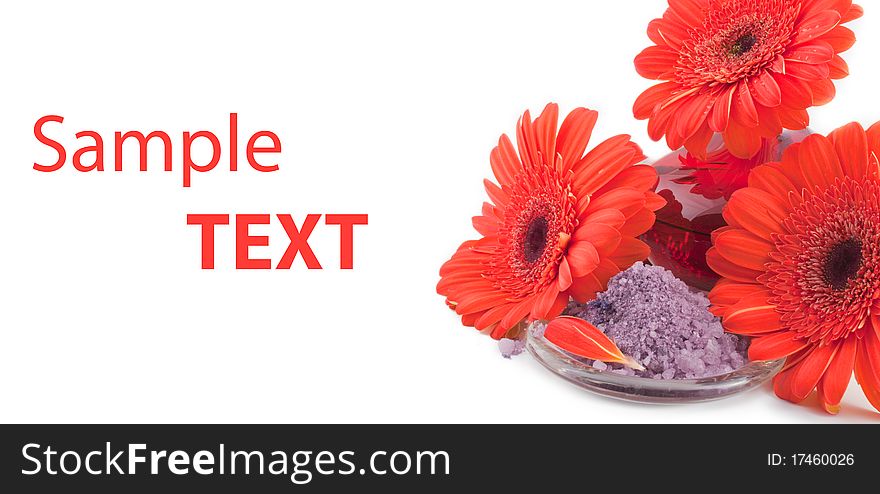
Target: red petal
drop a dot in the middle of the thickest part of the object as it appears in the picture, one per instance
(690, 11)
(581, 338)
(727, 293)
(810, 370)
(527, 140)
(813, 7)
(744, 249)
(720, 115)
(807, 71)
(794, 119)
(742, 142)
(639, 177)
(487, 226)
(770, 123)
(492, 316)
(564, 277)
(607, 269)
(771, 180)
(782, 385)
(582, 258)
(777, 65)
(693, 113)
(603, 237)
(815, 52)
(816, 25)
(574, 134)
(584, 289)
(603, 163)
(611, 217)
(504, 161)
(496, 194)
(867, 367)
(790, 166)
(819, 163)
(744, 110)
(638, 223)
(652, 98)
(660, 121)
(757, 211)
(840, 38)
(626, 200)
(837, 68)
(499, 331)
(656, 62)
(545, 302)
(753, 315)
(795, 92)
(672, 29)
(729, 270)
(545, 130)
(516, 314)
(654, 201)
(480, 302)
(765, 90)
(837, 376)
(630, 251)
(699, 142)
(873, 134)
(823, 91)
(852, 14)
(558, 307)
(851, 144)
(775, 346)
(654, 32)
(470, 319)
(875, 317)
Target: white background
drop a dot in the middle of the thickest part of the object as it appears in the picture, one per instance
(386, 108)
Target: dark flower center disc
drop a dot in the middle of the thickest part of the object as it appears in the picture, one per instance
(843, 263)
(536, 239)
(743, 44)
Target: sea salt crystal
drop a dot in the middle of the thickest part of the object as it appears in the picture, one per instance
(655, 318)
(510, 347)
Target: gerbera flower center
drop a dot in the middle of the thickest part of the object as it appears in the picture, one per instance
(826, 267)
(738, 39)
(843, 263)
(743, 44)
(535, 239)
(539, 218)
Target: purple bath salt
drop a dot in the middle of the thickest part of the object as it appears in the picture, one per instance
(655, 318)
(510, 348)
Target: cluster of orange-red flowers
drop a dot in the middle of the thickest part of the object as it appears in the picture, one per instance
(799, 256)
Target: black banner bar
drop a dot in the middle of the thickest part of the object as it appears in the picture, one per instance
(341, 458)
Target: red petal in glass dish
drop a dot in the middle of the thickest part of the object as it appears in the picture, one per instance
(696, 192)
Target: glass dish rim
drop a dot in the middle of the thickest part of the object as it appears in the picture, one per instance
(752, 370)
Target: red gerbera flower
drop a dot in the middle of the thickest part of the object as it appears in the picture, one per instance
(560, 224)
(742, 68)
(801, 265)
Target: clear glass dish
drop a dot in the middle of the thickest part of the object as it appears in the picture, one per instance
(644, 390)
